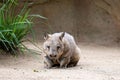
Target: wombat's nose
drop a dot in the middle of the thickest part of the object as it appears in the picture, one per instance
(51, 55)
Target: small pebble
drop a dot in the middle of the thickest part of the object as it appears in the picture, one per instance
(35, 70)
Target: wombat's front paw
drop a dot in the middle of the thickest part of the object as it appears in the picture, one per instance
(64, 62)
(47, 65)
(47, 62)
(63, 66)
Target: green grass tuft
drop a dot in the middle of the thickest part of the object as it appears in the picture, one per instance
(14, 27)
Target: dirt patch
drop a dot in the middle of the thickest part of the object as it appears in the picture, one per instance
(97, 63)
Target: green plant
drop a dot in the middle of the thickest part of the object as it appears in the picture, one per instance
(14, 26)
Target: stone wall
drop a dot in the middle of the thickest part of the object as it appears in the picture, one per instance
(82, 18)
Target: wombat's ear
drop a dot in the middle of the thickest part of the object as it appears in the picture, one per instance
(46, 36)
(62, 35)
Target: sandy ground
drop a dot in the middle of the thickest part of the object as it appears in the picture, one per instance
(97, 63)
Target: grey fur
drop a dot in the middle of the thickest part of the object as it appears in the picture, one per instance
(60, 49)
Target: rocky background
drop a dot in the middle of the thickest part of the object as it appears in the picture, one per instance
(93, 21)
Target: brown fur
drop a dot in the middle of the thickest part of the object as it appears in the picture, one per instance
(60, 50)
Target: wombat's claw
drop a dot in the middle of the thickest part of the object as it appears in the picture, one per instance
(64, 67)
(47, 67)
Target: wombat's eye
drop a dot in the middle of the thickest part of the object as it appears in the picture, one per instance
(48, 47)
(58, 47)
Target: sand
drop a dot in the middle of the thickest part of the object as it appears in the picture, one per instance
(97, 63)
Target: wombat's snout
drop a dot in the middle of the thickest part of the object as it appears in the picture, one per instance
(53, 55)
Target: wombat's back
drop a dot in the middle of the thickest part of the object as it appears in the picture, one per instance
(67, 39)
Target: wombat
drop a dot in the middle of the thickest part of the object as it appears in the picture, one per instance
(60, 50)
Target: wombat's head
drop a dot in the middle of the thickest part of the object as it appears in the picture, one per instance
(54, 45)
